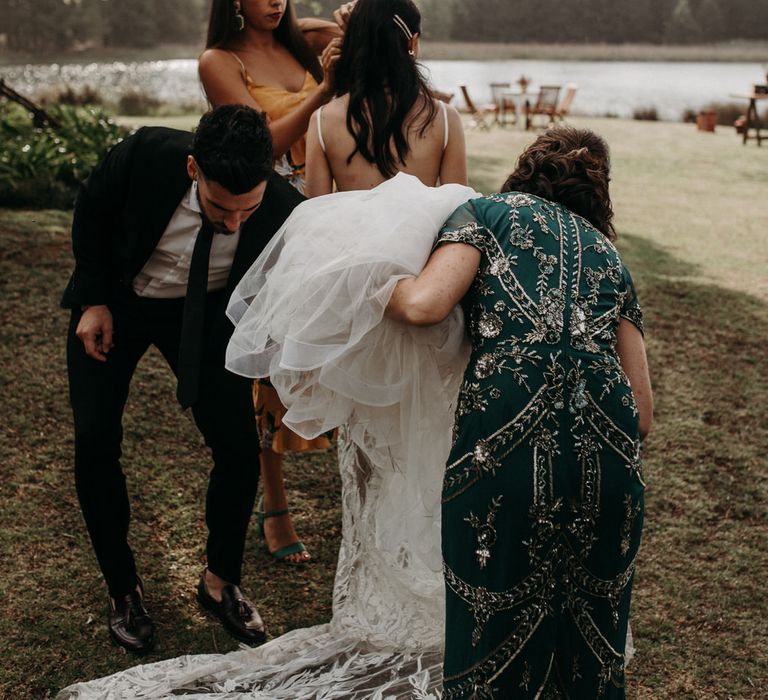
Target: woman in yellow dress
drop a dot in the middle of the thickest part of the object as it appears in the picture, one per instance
(259, 54)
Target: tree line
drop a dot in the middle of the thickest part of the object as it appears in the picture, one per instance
(61, 25)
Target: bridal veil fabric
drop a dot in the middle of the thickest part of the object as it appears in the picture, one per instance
(309, 314)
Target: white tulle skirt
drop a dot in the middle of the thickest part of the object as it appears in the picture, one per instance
(310, 315)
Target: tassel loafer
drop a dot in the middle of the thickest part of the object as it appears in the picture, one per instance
(238, 615)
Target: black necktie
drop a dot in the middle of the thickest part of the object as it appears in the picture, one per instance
(191, 342)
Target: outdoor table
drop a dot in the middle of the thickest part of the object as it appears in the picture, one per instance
(518, 98)
(753, 118)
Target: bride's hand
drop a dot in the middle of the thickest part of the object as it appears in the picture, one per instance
(328, 60)
(341, 16)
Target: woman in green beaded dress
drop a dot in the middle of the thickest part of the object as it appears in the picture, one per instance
(543, 490)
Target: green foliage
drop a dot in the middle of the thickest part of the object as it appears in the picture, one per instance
(608, 21)
(42, 26)
(50, 26)
(64, 94)
(134, 103)
(43, 167)
(682, 25)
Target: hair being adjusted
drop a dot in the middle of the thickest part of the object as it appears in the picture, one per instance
(571, 167)
(233, 147)
(383, 81)
(223, 32)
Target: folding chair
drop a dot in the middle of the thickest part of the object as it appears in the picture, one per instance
(480, 113)
(546, 104)
(564, 108)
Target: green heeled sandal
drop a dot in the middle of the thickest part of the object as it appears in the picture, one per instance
(282, 554)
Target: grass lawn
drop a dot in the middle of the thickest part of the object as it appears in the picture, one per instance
(691, 211)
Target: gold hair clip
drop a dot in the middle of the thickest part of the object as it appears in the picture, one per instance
(398, 20)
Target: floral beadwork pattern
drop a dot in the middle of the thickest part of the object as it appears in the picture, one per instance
(544, 476)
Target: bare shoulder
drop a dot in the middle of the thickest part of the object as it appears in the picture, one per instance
(337, 106)
(215, 60)
(453, 113)
(335, 111)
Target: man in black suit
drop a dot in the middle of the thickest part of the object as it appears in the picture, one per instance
(163, 230)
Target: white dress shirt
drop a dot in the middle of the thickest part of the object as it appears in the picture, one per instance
(165, 274)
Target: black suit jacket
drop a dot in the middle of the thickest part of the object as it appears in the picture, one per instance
(126, 203)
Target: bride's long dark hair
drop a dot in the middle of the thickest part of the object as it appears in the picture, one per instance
(383, 81)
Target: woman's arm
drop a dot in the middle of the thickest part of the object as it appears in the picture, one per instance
(453, 167)
(223, 83)
(319, 32)
(429, 298)
(319, 179)
(631, 350)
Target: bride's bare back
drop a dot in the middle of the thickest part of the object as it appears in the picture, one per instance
(436, 156)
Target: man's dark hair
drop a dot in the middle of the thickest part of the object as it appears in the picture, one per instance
(233, 147)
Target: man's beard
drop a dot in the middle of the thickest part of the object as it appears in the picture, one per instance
(222, 230)
(218, 227)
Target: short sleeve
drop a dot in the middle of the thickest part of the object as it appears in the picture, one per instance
(463, 227)
(630, 307)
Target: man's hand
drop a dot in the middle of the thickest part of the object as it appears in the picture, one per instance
(95, 330)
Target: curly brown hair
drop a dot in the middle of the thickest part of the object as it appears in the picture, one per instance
(571, 167)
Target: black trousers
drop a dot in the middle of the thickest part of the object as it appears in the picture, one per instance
(223, 413)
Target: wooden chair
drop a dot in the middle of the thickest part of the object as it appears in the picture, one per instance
(506, 112)
(564, 108)
(546, 105)
(480, 113)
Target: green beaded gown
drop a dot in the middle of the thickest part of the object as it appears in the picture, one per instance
(543, 491)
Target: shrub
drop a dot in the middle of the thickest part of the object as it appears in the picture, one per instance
(67, 95)
(43, 167)
(645, 114)
(689, 116)
(134, 103)
(727, 112)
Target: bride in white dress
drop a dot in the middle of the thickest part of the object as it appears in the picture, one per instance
(310, 315)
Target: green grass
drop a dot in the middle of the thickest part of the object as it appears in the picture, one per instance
(690, 209)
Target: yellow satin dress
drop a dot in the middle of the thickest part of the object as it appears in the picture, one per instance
(277, 102)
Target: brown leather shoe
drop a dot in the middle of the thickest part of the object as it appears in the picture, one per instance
(238, 615)
(129, 624)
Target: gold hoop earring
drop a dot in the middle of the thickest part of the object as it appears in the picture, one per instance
(239, 19)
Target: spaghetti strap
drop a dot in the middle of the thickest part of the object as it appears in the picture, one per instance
(243, 71)
(320, 128)
(445, 124)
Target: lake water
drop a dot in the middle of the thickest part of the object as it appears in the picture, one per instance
(616, 88)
